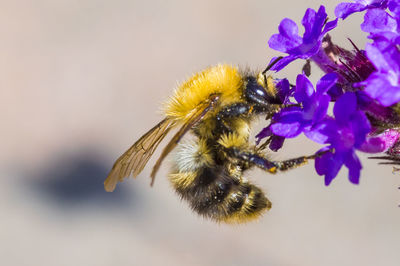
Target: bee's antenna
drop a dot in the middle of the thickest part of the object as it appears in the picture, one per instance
(272, 64)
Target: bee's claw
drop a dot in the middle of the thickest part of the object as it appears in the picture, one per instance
(394, 170)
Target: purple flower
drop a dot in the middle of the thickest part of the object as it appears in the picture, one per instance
(394, 7)
(292, 121)
(288, 39)
(381, 142)
(346, 133)
(382, 27)
(275, 141)
(382, 117)
(284, 90)
(377, 21)
(384, 84)
(365, 84)
(343, 10)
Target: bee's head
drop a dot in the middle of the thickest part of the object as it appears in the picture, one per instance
(261, 90)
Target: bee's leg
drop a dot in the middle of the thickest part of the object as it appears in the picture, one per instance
(231, 111)
(243, 109)
(266, 164)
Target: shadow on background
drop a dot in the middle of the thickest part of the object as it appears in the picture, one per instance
(73, 181)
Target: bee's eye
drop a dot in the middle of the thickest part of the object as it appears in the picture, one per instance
(255, 93)
(260, 91)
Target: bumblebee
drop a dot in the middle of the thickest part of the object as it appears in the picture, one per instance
(217, 106)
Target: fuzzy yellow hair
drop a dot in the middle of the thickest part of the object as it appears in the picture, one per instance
(224, 80)
(232, 140)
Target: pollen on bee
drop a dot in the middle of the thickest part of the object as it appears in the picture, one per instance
(272, 170)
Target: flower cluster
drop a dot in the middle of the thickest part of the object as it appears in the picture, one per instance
(363, 85)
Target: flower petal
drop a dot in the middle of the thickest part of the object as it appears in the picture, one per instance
(329, 165)
(265, 132)
(343, 10)
(304, 89)
(323, 132)
(313, 23)
(283, 62)
(373, 145)
(326, 82)
(377, 57)
(283, 87)
(289, 124)
(329, 26)
(377, 20)
(394, 7)
(354, 165)
(321, 108)
(345, 106)
(380, 143)
(287, 38)
(335, 92)
(360, 126)
(276, 143)
(378, 87)
(308, 22)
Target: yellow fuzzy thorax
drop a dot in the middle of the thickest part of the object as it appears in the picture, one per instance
(224, 80)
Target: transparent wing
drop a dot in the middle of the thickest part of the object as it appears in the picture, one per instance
(198, 114)
(135, 158)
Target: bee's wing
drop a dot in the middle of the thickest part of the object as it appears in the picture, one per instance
(198, 114)
(135, 158)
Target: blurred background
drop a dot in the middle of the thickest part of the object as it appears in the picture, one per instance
(80, 81)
